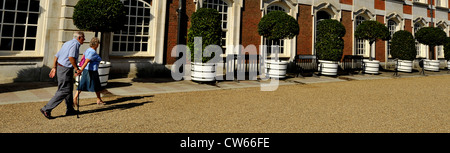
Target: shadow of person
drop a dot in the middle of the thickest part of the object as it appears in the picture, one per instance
(110, 108)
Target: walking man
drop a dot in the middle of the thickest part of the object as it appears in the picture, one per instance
(64, 64)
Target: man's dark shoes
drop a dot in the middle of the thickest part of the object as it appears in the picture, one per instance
(71, 112)
(46, 114)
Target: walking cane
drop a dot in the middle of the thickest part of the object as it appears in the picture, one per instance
(78, 98)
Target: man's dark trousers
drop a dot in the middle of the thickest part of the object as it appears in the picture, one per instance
(65, 89)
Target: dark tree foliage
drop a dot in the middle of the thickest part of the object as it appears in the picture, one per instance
(99, 15)
(372, 30)
(329, 42)
(403, 45)
(205, 23)
(278, 25)
(431, 36)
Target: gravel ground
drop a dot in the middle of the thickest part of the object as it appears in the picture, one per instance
(389, 105)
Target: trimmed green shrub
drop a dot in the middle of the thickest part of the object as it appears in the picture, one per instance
(431, 36)
(205, 23)
(99, 15)
(278, 25)
(372, 30)
(447, 48)
(329, 43)
(403, 46)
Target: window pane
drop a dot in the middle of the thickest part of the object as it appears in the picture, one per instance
(115, 47)
(144, 46)
(30, 44)
(116, 38)
(7, 30)
(10, 5)
(23, 5)
(130, 47)
(18, 45)
(137, 46)
(6, 44)
(123, 47)
(31, 31)
(33, 18)
(20, 31)
(21, 18)
(34, 6)
(9, 17)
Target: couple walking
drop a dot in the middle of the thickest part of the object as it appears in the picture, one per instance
(64, 64)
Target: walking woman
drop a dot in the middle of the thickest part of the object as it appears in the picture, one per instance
(90, 80)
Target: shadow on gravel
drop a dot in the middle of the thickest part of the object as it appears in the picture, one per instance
(115, 107)
(110, 105)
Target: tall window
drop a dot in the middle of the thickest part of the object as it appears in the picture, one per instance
(279, 42)
(18, 24)
(417, 27)
(440, 49)
(222, 8)
(392, 25)
(439, 3)
(134, 36)
(360, 43)
(320, 15)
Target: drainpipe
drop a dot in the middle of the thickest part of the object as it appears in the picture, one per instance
(180, 12)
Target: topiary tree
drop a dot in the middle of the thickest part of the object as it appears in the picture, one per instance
(432, 37)
(403, 45)
(329, 43)
(372, 30)
(447, 49)
(205, 23)
(99, 15)
(278, 25)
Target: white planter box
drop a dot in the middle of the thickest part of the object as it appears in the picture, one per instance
(431, 65)
(371, 67)
(328, 67)
(276, 69)
(203, 72)
(103, 72)
(405, 66)
(448, 65)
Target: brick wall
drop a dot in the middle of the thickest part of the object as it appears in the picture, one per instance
(348, 38)
(172, 27)
(380, 45)
(304, 39)
(251, 15)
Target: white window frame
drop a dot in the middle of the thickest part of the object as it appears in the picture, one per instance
(148, 52)
(398, 26)
(37, 42)
(359, 42)
(224, 17)
(440, 49)
(233, 24)
(422, 51)
(281, 42)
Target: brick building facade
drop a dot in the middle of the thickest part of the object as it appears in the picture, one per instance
(28, 45)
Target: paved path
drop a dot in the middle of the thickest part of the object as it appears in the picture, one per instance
(44, 91)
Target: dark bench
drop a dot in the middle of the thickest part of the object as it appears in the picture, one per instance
(305, 63)
(352, 63)
(247, 64)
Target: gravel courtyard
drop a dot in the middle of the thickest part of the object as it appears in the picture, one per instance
(417, 104)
